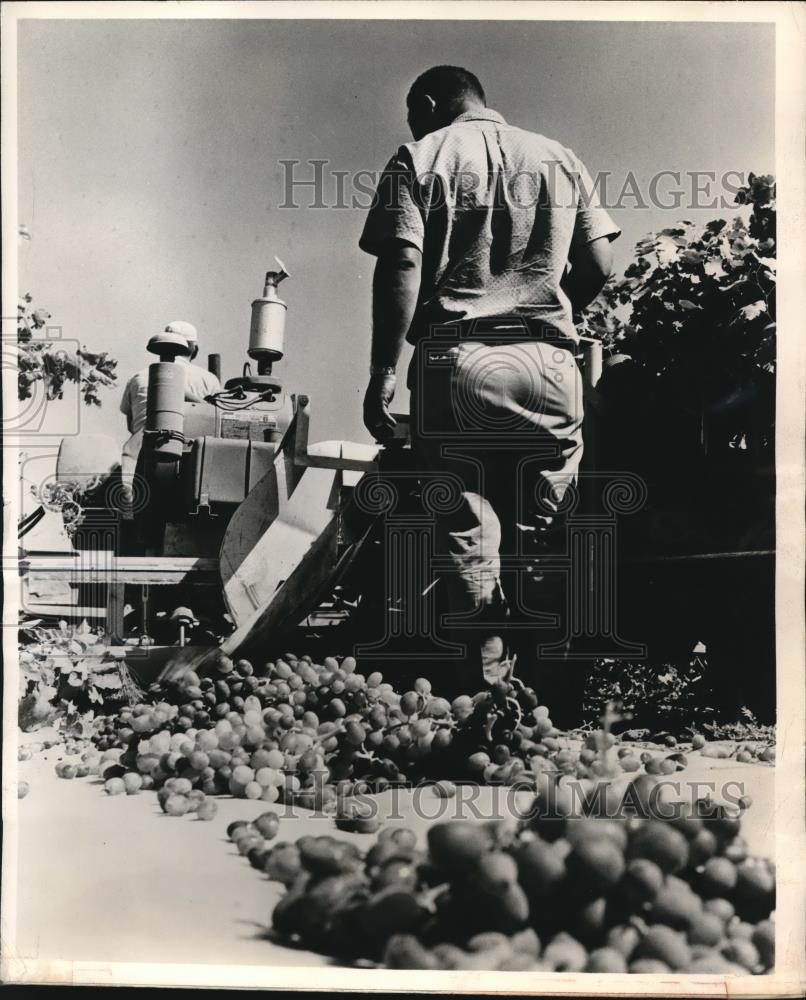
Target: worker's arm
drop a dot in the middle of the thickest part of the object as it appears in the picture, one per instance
(126, 409)
(591, 266)
(200, 384)
(395, 291)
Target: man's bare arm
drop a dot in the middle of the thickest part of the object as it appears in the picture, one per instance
(395, 290)
(591, 266)
(126, 410)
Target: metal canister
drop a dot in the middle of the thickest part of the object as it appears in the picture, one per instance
(267, 331)
(165, 410)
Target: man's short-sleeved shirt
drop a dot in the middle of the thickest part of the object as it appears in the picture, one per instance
(198, 383)
(494, 210)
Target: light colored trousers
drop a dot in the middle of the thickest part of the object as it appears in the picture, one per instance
(504, 421)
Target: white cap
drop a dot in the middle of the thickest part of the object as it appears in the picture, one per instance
(186, 330)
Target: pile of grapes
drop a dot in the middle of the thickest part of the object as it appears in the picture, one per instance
(743, 753)
(305, 732)
(554, 891)
(558, 890)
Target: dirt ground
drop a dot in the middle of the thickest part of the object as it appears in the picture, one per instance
(116, 880)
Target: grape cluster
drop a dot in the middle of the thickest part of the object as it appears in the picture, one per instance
(555, 892)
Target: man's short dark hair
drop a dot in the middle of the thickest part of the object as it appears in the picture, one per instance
(447, 85)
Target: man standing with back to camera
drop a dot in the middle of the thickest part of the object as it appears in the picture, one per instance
(487, 239)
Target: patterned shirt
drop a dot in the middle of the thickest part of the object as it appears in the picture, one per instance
(495, 211)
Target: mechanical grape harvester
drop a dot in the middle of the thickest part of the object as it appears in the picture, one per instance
(229, 516)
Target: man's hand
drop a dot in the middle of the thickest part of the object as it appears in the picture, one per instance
(377, 399)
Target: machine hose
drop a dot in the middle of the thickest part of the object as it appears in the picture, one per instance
(29, 521)
(225, 400)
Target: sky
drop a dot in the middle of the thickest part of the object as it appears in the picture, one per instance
(150, 175)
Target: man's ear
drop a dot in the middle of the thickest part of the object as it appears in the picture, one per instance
(424, 104)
